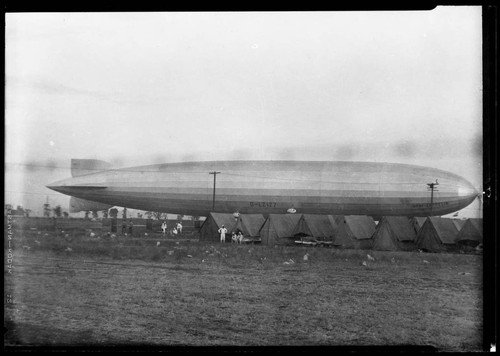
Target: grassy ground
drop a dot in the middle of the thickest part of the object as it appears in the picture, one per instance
(129, 291)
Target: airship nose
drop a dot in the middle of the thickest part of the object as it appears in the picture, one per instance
(466, 189)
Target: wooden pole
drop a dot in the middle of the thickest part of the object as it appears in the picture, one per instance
(213, 197)
(432, 185)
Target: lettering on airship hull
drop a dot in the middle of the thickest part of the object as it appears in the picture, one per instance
(263, 204)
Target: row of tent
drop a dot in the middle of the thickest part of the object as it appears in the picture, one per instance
(441, 234)
(392, 233)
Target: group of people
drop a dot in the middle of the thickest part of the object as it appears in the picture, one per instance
(176, 230)
(235, 238)
(129, 226)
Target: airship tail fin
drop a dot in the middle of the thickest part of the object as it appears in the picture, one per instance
(80, 167)
(77, 204)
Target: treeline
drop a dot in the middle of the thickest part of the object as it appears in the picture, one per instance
(57, 212)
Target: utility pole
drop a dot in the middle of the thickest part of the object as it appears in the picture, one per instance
(215, 178)
(432, 186)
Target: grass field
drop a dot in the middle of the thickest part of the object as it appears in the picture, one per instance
(129, 291)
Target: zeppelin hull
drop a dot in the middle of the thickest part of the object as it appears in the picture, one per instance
(339, 188)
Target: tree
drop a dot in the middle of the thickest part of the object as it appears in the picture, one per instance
(8, 209)
(65, 214)
(158, 215)
(139, 215)
(27, 212)
(113, 213)
(149, 214)
(87, 213)
(57, 211)
(20, 210)
(46, 210)
(95, 214)
(105, 213)
(124, 213)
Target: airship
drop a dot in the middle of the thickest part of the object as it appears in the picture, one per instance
(278, 187)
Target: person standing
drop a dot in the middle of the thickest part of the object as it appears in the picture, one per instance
(130, 226)
(222, 231)
(179, 227)
(124, 227)
(164, 228)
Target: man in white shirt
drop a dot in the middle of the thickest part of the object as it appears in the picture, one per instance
(222, 231)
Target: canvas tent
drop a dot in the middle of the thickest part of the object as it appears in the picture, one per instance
(211, 225)
(417, 222)
(471, 233)
(249, 225)
(458, 223)
(311, 227)
(278, 229)
(354, 231)
(437, 235)
(394, 233)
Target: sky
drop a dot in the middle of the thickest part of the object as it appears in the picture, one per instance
(157, 87)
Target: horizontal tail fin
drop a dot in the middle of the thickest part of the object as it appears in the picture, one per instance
(77, 204)
(80, 167)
